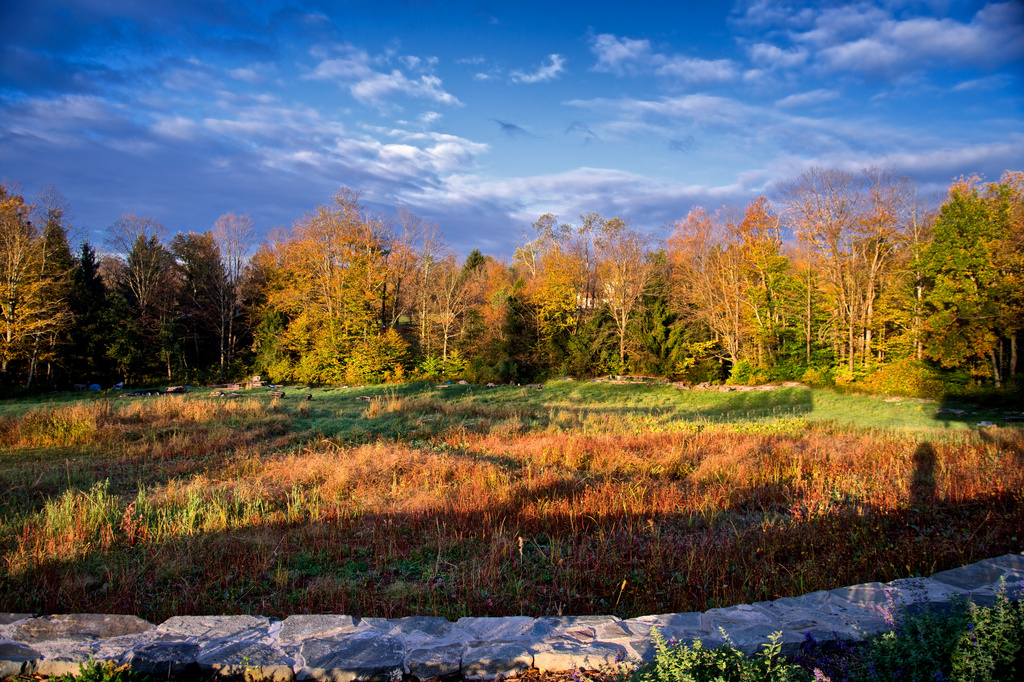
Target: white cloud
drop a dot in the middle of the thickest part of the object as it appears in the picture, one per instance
(690, 70)
(353, 70)
(622, 56)
(245, 74)
(542, 74)
(867, 39)
(771, 57)
(805, 99)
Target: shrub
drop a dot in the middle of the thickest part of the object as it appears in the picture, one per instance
(697, 663)
(102, 672)
(909, 377)
(970, 643)
(816, 375)
(747, 374)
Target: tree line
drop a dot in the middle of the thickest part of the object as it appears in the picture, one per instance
(841, 277)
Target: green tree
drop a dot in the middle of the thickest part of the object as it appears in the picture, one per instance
(965, 286)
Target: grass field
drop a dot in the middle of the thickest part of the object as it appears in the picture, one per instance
(580, 498)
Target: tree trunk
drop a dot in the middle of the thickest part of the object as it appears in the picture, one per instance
(1013, 355)
(32, 363)
(995, 368)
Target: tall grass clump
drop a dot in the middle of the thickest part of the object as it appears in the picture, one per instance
(55, 426)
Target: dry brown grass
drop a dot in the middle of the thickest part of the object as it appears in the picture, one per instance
(489, 516)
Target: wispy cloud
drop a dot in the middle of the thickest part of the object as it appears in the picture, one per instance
(544, 73)
(806, 99)
(876, 40)
(353, 70)
(625, 56)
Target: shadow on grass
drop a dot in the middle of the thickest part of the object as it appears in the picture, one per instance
(522, 555)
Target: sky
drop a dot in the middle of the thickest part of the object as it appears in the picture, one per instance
(482, 116)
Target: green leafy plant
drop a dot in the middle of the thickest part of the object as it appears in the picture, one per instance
(697, 663)
(107, 671)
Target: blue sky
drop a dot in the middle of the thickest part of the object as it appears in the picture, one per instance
(481, 116)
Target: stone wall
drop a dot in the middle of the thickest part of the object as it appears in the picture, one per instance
(342, 648)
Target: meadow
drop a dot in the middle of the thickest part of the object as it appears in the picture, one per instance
(580, 498)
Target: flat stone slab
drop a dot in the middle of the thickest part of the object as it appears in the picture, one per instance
(496, 659)
(246, 659)
(483, 629)
(215, 627)
(742, 615)
(435, 662)
(297, 629)
(17, 659)
(165, 659)
(984, 573)
(78, 627)
(8, 618)
(369, 656)
(682, 627)
(556, 656)
(415, 630)
(864, 595)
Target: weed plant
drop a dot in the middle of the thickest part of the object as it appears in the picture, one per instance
(680, 662)
(464, 501)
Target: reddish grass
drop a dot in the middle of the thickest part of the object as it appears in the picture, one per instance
(208, 508)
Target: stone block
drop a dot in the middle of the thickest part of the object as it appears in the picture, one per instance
(742, 615)
(864, 595)
(8, 618)
(369, 656)
(77, 627)
(416, 630)
(17, 659)
(496, 659)
(64, 661)
(982, 574)
(679, 626)
(910, 590)
(510, 629)
(750, 638)
(215, 627)
(562, 656)
(790, 616)
(253, 661)
(165, 659)
(570, 628)
(296, 629)
(435, 662)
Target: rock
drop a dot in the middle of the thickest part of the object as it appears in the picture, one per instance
(296, 629)
(415, 630)
(9, 618)
(510, 629)
(215, 627)
(984, 573)
(496, 659)
(79, 627)
(737, 617)
(166, 659)
(435, 662)
(865, 595)
(250, 660)
(682, 627)
(558, 656)
(368, 656)
(17, 659)
(573, 628)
